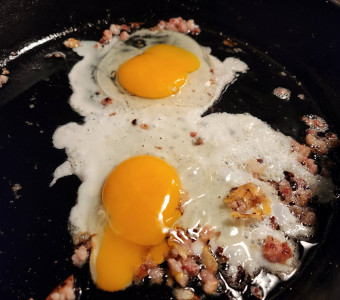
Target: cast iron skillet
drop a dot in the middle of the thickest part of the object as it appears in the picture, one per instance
(35, 246)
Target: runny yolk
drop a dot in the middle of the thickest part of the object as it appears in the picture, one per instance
(157, 73)
(141, 197)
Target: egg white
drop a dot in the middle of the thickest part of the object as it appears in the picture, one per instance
(207, 171)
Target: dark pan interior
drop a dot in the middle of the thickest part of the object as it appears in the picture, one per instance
(298, 37)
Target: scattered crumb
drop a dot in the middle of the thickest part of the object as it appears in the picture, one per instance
(283, 73)
(107, 101)
(238, 50)
(198, 141)
(144, 126)
(56, 54)
(301, 96)
(16, 188)
(228, 42)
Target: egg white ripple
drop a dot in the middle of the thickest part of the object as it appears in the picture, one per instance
(207, 171)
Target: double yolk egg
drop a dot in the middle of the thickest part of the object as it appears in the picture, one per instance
(141, 195)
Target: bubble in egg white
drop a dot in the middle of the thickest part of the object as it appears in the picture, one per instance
(207, 171)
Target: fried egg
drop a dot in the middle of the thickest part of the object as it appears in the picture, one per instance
(137, 154)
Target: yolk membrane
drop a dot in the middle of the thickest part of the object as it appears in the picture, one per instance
(141, 197)
(157, 73)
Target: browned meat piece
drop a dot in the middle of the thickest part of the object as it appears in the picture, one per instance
(276, 252)
(190, 266)
(64, 291)
(156, 275)
(206, 233)
(303, 156)
(210, 282)
(177, 272)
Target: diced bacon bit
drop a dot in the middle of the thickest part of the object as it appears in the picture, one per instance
(273, 223)
(3, 80)
(106, 37)
(124, 36)
(64, 291)
(256, 291)
(141, 272)
(248, 201)
(106, 101)
(144, 126)
(208, 259)
(115, 29)
(56, 54)
(305, 214)
(219, 253)
(210, 282)
(303, 152)
(112, 114)
(4, 71)
(198, 141)
(82, 244)
(193, 134)
(228, 42)
(156, 275)
(206, 233)
(135, 25)
(294, 191)
(322, 145)
(276, 252)
(179, 25)
(315, 123)
(180, 242)
(240, 279)
(169, 281)
(190, 266)
(173, 253)
(184, 294)
(316, 137)
(282, 93)
(80, 256)
(159, 147)
(71, 43)
(181, 277)
(144, 268)
(301, 96)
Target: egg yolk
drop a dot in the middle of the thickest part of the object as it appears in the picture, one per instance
(141, 197)
(157, 73)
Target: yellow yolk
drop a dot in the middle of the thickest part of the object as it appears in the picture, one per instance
(141, 197)
(157, 73)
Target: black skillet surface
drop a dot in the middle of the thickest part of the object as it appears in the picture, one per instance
(35, 246)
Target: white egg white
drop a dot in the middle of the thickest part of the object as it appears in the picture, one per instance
(208, 171)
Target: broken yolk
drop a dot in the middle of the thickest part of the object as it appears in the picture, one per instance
(157, 73)
(141, 197)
